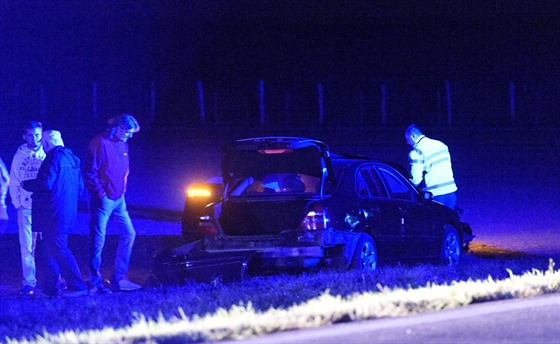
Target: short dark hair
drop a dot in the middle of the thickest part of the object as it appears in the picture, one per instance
(33, 125)
(413, 129)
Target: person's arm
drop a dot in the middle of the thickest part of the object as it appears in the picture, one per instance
(14, 186)
(81, 185)
(5, 180)
(4, 173)
(93, 165)
(416, 162)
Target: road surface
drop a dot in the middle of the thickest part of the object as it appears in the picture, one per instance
(534, 320)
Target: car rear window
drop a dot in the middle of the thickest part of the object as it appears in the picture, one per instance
(277, 183)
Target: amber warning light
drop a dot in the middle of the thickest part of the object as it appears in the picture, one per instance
(197, 191)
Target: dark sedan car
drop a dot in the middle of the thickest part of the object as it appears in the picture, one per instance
(288, 202)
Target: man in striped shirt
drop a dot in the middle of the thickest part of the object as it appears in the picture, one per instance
(430, 166)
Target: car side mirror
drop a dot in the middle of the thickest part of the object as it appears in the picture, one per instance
(426, 196)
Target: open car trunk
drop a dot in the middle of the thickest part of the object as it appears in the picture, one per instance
(269, 217)
(248, 158)
(269, 181)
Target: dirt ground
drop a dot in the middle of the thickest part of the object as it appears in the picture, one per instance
(509, 186)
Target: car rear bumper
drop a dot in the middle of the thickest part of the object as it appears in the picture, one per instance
(271, 254)
(188, 262)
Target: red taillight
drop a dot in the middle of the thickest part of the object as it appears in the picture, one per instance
(206, 225)
(275, 151)
(317, 219)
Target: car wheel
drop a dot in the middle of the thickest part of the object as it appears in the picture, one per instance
(365, 256)
(451, 247)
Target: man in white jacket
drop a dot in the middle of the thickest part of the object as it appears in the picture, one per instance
(4, 180)
(25, 165)
(430, 166)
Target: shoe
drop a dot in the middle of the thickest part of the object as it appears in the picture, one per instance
(75, 293)
(52, 293)
(125, 285)
(100, 290)
(27, 291)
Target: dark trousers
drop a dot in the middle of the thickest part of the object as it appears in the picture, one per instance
(61, 262)
(449, 199)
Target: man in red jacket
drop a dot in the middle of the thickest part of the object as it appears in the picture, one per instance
(106, 172)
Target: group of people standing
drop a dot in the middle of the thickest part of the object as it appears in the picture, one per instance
(45, 182)
(46, 179)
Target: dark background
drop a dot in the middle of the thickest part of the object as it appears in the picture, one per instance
(507, 169)
(52, 52)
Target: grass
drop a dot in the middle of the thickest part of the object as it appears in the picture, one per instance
(256, 306)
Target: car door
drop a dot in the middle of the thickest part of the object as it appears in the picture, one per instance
(415, 227)
(382, 216)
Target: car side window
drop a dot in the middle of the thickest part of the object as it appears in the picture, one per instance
(396, 187)
(361, 187)
(368, 183)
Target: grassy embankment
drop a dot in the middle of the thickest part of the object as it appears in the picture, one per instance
(265, 304)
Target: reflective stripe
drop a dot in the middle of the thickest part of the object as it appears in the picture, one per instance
(439, 185)
(443, 151)
(444, 159)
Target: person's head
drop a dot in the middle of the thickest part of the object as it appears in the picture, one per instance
(32, 134)
(412, 134)
(123, 127)
(51, 139)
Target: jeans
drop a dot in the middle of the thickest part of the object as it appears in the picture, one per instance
(27, 245)
(61, 262)
(450, 199)
(100, 211)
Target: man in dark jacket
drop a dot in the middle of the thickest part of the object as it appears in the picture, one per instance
(55, 207)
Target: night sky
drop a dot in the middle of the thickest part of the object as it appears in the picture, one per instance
(237, 42)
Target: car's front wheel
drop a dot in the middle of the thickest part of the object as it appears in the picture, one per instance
(451, 247)
(365, 256)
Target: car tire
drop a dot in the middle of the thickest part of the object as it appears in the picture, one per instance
(365, 255)
(451, 250)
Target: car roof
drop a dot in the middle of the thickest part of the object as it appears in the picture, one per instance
(340, 161)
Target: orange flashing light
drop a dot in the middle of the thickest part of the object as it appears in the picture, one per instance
(198, 192)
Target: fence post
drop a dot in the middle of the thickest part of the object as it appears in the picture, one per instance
(538, 108)
(16, 99)
(287, 107)
(448, 99)
(261, 101)
(94, 100)
(512, 102)
(78, 109)
(215, 101)
(438, 106)
(153, 101)
(320, 99)
(362, 106)
(383, 104)
(201, 102)
(42, 102)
